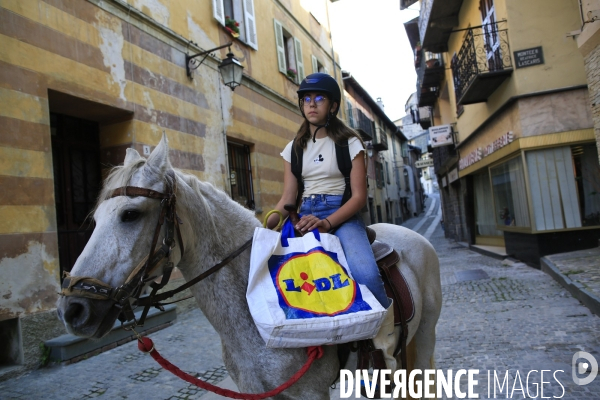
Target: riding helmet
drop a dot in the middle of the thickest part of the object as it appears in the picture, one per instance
(320, 82)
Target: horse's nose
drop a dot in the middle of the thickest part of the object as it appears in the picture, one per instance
(75, 314)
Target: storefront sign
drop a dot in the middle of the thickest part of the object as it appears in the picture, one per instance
(453, 175)
(479, 153)
(440, 135)
(424, 163)
(470, 159)
(529, 57)
(498, 144)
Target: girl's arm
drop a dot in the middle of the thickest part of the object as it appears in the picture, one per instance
(358, 184)
(290, 190)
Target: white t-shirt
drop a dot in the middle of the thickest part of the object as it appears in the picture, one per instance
(319, 165)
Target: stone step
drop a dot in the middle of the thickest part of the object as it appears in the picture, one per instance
(67, 347)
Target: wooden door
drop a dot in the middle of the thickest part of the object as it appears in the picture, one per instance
(77, 180)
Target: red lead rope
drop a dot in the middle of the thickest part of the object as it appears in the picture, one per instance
(145, 345)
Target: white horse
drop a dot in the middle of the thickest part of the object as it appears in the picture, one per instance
(213, 227)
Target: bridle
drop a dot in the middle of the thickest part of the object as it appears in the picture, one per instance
(93, 288)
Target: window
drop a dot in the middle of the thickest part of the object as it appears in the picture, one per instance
(565, 186)
(240, 177)
(510, 195)
(379, 179)
(242, 11)
(289, 54)
(317, 66)
(387, 172)
(485, 221)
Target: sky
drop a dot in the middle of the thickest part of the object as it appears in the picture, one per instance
(371, 42)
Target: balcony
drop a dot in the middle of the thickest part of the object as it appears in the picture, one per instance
(482, 63)
(429, 76)
(380, 139)
(359, 121)
(436, 20)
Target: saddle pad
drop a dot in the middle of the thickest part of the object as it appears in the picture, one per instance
(388, 258)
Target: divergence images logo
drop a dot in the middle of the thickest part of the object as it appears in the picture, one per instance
(590, 365)
(314, 285)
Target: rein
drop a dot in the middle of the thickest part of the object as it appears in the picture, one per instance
(92, 288)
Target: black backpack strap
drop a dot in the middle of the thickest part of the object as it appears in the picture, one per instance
(297, 171)
(342, 153)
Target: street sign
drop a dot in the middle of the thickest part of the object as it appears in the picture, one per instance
(440, 135)
(529, 57)
(424, 163)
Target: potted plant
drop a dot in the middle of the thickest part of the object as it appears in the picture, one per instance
(291, 73)
(232, 26)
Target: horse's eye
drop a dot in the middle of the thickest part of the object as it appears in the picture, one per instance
(130, 215)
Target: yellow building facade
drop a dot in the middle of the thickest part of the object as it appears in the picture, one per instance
(82, 81)
(514, 95)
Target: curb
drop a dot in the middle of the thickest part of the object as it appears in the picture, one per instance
(589, 299)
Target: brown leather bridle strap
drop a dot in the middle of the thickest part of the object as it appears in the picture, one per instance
(205, 274)
(134, 191)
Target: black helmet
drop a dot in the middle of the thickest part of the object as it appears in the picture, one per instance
(320, 82)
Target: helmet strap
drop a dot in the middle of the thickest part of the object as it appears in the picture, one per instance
(325, 125)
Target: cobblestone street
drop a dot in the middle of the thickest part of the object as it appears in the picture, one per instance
(500, 317)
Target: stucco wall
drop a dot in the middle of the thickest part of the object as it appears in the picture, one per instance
(132, 61)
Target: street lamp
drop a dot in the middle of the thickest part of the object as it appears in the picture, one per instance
(231, 69)
(370, 150)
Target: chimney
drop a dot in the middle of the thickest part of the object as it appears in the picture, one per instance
(380, 103)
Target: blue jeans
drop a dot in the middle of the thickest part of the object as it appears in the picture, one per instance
(355, 243)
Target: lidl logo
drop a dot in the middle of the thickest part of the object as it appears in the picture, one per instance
(314, 284)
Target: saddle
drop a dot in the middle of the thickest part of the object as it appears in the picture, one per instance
(397, 289)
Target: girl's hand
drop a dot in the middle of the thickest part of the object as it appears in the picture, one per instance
(310, 222)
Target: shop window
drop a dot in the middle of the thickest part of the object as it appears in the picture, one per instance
(510, 194)
(565, 186)
(240, 177)
(587, 176)
(485, 220)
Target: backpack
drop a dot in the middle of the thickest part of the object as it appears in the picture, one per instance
(342, 154)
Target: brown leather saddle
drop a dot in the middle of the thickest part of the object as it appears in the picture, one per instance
(397, 289)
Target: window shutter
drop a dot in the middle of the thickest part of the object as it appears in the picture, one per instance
(280, 46)
(218, 12)
(250, 22)
(299, 62)
(315, 64)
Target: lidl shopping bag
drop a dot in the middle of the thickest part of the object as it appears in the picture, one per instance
(301, 293)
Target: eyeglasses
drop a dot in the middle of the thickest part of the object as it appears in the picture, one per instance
(319, 100)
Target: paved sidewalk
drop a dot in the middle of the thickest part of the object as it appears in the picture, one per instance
(579, 273)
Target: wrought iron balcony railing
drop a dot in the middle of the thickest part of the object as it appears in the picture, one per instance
(380, 141)
(359, 121)
(482, 63)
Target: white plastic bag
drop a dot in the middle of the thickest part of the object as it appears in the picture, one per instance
(300, 291)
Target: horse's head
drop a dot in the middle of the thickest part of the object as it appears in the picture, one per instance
(125, 228)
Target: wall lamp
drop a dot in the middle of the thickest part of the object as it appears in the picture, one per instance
(230, 68)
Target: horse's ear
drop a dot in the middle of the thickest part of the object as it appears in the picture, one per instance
(131, 157)
(158, 160)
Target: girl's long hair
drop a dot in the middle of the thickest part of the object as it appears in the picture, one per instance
(337, 130)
